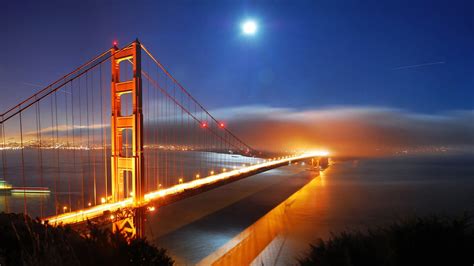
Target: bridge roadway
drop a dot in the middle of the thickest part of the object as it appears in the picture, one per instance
(80, 216)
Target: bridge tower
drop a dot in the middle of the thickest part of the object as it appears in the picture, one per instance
(127, 169)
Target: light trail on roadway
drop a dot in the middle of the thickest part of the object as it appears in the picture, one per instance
(97, 211)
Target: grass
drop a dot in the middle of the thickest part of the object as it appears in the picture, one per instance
(24, 241)
(433, 240)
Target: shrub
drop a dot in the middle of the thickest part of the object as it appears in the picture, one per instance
(433, 240)
(24, 241)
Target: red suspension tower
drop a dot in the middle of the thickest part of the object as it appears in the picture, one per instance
(127, 169)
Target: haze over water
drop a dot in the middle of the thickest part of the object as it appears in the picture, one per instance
(66, 183)
(272, 217)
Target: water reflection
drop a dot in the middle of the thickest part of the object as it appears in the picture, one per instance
(262, 243)
(272, 217)
(193, 228)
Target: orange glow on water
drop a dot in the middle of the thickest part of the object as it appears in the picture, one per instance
(249, 245)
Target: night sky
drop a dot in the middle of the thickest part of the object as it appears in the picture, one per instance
(306, 54)
(415, 57)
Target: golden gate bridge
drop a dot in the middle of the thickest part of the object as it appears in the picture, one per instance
(114, 137)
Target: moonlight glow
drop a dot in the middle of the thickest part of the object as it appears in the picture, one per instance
(249, 27)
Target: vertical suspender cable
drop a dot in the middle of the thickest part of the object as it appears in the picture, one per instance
(58, 187)
(104, 148)
(89, 173)
(151, 147)
(182, 137)
(73, 125)
(93, 140)
(52, 147)
(81, 147)
(160, 127)
(4, 162)
(67, 142)
(40, 152)
(25, 211)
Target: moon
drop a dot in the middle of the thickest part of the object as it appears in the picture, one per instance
(249, 27)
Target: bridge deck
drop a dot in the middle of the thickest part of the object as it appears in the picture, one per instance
(98, 211)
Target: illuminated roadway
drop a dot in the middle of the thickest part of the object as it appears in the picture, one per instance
(97, 211)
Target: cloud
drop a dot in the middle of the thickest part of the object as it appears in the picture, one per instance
(349, 130)
(344, 130)
(61, 129)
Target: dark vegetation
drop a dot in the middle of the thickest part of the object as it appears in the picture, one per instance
(430, 241)
(24, 241)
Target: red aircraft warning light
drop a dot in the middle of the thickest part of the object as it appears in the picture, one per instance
(115, 43)
(221, 124)
(203, 124)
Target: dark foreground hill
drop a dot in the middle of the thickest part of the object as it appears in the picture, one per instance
(430, 241)
(24, 241)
